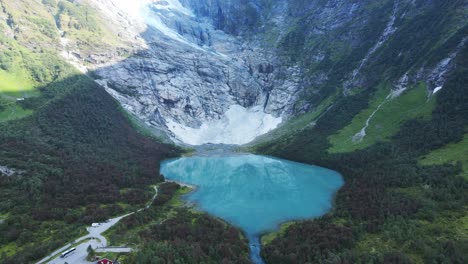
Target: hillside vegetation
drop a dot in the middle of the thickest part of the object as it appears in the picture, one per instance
(386, 114)
(77, 160)
(453, 153)
(30, 43)
(396, 210)
(404, 200)
(70, 155)
(170, 232)
(75, 156)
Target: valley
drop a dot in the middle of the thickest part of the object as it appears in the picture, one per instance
(101, 100)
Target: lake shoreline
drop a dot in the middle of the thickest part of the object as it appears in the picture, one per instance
(191, 186)
(255, 193)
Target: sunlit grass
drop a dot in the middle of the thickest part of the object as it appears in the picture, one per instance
(386, 122)
(15, 82)
(290, 128)
(451, 153)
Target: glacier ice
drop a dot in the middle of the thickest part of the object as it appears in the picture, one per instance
(238, 126)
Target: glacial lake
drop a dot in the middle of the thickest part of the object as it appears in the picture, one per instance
(255, 193)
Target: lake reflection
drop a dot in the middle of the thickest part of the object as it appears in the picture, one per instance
(255, 193)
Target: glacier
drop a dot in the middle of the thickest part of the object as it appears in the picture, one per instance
(238, 126)
(191, 81)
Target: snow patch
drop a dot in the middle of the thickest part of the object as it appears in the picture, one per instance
(133, 8)
(238, 126)
(437, 89)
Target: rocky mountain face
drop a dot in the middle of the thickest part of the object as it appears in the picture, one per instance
(216, 71)
(234, 17)
(194, 81)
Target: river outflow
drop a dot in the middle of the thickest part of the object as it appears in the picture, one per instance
(255, 193)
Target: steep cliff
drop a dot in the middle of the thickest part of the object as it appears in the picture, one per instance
(201, 62)
(207, 71)
(199, 84)
(375, 89)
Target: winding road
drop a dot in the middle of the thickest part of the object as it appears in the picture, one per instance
(94, 238)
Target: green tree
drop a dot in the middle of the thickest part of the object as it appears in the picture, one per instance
(91, 253)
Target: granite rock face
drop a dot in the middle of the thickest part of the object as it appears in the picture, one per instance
(191, 73)
(185, 66)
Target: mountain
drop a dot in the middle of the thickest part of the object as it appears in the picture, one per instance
(69, 155)
(89, 90)
(185, 67)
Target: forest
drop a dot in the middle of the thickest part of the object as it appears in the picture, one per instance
(170, 232)
(78, 160)
(391, 209)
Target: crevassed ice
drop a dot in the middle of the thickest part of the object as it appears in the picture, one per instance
(238, 126)
(138, 8)
(144, 10)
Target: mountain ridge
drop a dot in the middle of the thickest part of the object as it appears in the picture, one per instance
(373, 89)
(309, 81)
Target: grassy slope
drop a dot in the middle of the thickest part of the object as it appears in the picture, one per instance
(413, 103)
(269, 237)
(83, 25)
(451, 153)
(295, 125)
(14, 82)
(30, 40)
(42, 23)
(123, 233)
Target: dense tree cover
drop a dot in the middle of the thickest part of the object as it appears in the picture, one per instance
(154, 214)
(192, 238)
(317, 239)
(168, 233)
(414, 210)
(166, 192)
(78, 161)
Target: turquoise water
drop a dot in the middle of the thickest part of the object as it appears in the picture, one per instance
(255, 193)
